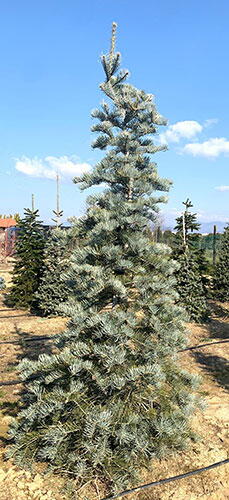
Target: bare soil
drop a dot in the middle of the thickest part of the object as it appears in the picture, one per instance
(211, 362)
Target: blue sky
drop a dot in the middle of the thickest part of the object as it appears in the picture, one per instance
(49, 83)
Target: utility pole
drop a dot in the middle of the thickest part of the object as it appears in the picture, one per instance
(58, 193)
(158, 234)
(33, 202)
(58, 213)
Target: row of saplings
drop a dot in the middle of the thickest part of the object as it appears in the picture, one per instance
(113, 396)
(42, 259)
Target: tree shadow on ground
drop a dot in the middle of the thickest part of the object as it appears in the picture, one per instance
(216, 366)
(30, 349)
(218, 327)
(11, 408)
(219, 309)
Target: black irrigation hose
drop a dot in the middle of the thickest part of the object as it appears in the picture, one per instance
(15, 382)
(154, 483)
(51, 337)
(28, 339)
(203, 345)
(167, 480)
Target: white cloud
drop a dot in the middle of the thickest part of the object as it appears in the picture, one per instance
(222, 188)
(68, 167)
(181, 130)
(204, 216)
(210, 122)
(209, 149)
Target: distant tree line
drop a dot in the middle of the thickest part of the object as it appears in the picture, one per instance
(10, 216)
(204, 241)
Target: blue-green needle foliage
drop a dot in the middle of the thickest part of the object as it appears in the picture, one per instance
(221, 275)
(115, 396)
(53, 289)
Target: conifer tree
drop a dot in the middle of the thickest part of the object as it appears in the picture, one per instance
(191, 284)
(221, 276)
(53, 289)
(114, 397)
(186, 225)
(29, 256)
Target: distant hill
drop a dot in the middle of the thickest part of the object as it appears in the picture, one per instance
(207, 227)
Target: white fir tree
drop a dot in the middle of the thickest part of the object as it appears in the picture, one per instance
(115, 396)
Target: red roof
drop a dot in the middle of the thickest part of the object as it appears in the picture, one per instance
(7, 222)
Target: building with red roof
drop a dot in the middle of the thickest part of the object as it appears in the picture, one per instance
(7, 236)
(8, 222)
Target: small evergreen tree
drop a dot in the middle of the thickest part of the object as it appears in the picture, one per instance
(114, 397)
(168, 237)
(221, 276)
(191, 284)
(17, 217)
(53, 289)
(186, 225)
(28, 267)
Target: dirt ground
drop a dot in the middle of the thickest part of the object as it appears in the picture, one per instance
(211, 362)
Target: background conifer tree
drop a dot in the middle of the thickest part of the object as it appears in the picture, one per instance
(114, 397)
(221, 276)
(29, 256)
(186, 225)
(53, 289)
(191, 283)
